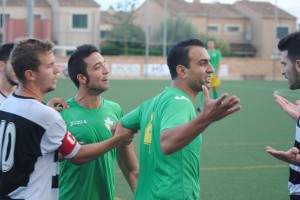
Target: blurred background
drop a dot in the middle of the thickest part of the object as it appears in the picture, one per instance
(134, 37)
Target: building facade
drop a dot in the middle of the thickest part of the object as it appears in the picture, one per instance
(67, 23)
(250, 28)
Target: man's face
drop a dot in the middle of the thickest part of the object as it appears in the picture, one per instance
(10, 74)
(211, 45)
(200, 68)
(47, 73)
(97, 72)
(289, 71)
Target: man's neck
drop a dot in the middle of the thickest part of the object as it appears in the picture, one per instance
(6, 88)
(28, 91)
(88, 101)
(179, 84)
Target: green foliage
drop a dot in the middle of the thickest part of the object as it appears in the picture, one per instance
(178, 28)
(219, 44)
(127, 32)
(110, 48)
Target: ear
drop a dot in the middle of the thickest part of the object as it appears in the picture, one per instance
(297, 66)
(181, 71)
(81, 78)
(2, 65)
(30, 75)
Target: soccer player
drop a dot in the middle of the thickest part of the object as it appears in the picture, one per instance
(90, 119)
(215, 60)
(170, 130)
(32, 134)
(8, 79)
(290, 60)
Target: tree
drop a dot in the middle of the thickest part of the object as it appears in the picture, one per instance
(124, 32)
(128, 34)
(178, 28)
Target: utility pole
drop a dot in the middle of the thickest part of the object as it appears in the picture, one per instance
(165, 29)
(30, 18)
(147, 40)
(275, 43)
(3, 22)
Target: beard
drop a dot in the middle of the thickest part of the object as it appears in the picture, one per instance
(94, 89)
(295, 81)
(50, 89)
(10, 80)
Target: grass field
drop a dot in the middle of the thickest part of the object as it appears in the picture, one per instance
(234, 164)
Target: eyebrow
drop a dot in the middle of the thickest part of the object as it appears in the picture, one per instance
(52, 63)
(205, 60)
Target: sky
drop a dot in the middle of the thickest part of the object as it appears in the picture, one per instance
(291, 6)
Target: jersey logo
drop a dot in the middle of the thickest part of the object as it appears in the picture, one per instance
(181, 98)
(108, 123)
(78, 122)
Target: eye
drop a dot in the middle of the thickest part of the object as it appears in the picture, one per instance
(203, 62)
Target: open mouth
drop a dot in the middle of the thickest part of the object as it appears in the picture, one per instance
(208, 79)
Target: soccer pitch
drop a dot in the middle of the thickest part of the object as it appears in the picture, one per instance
(234, 164)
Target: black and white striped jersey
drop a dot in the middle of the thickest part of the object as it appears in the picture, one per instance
(31, 134)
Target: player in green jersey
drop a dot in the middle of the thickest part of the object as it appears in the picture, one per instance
(170, 130)
(215, 60)
(90, 118)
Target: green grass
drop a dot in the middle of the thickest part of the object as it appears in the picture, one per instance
(234, 164)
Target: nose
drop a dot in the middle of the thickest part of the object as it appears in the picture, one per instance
(210, 69)
(282, 71)
(106, 69)
(56, 69)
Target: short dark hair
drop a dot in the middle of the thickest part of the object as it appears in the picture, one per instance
(211, 39)
(5, 50)
(291, 43)
(179, 55)
(76, 64)
(25, 55)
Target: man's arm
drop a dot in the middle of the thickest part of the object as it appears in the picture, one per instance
(293, 110)
(129, 165)
(173, 139)
(127, 160)
(291, 156)
(90, 152)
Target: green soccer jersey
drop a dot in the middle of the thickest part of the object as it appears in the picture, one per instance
(215, 58)
(167, 177)
(93, 180)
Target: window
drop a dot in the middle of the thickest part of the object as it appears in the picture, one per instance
(213, 28)
(281, 31)
(233, 29)
(1, 19)
(37, 16)
(80, 21)
(104, 34)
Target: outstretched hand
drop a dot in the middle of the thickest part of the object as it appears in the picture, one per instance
(293, 110)
(216, 109)
(291, 156)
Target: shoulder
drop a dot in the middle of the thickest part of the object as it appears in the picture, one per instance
(32, 110)
(110, 103)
